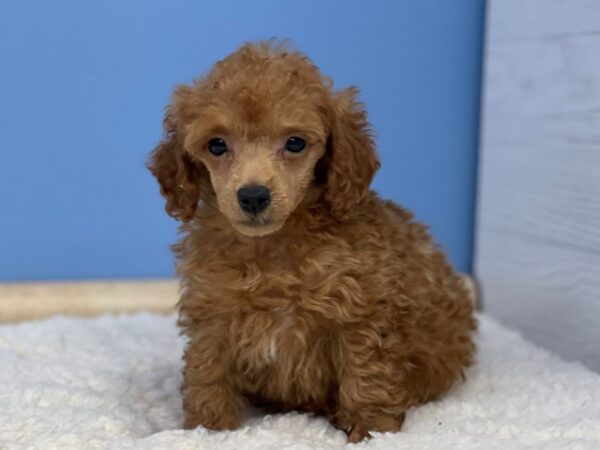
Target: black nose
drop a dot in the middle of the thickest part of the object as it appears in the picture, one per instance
(253, 199)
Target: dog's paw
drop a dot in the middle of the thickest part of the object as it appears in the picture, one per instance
(358, 433)
(213, 407)
(361, 429)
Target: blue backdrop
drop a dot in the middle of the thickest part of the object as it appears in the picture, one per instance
(82, 91)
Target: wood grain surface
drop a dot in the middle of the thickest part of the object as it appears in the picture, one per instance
(31, 301)
(538, 225)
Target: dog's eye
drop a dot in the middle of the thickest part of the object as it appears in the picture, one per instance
(217, 146)
(295, 144)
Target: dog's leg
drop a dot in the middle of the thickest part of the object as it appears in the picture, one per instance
(358, 418)
(371, 395)
(209, 399)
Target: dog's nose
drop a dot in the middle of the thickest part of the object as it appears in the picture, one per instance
(253, 199)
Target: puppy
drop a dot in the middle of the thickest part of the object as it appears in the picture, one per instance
(301, 289)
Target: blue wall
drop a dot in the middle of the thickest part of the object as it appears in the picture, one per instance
(82, 91)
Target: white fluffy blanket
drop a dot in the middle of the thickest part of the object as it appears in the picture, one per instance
(113, 382)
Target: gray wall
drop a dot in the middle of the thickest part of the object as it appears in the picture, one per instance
(538, 226)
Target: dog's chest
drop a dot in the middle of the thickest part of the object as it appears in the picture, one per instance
(279, 353)
(269, 337)
(280, 297)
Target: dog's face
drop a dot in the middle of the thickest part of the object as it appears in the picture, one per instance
(260, 151)
(249, 137)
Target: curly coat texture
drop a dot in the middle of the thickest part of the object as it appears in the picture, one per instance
(333, 301)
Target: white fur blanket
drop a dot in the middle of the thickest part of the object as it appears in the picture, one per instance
(113, 382)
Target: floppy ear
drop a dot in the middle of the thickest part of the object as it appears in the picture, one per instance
(353, 160)
(177, 174)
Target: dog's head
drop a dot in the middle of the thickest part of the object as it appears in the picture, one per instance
(260, 135)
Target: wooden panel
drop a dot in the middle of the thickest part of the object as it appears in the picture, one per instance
(520, 20)
(30, 301)
(538, 226)
(548, 292)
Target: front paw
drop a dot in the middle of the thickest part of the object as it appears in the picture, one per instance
(358, 433)
(359, 429)
(215, 408)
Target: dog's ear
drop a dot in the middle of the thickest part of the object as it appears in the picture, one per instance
(177, 174)
(351, 152)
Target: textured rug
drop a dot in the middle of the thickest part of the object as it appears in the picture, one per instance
(113, 382)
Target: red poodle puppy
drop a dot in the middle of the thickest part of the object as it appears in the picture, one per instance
(301, 288)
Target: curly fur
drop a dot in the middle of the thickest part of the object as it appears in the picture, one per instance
(337, 303)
